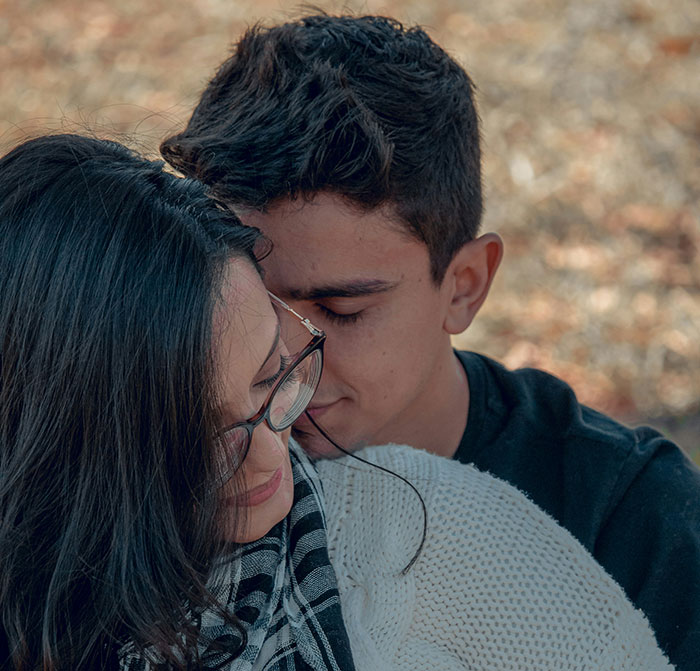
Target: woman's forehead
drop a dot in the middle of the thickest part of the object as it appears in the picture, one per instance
(245, 329)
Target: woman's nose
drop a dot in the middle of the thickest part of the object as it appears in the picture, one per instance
(267, 448)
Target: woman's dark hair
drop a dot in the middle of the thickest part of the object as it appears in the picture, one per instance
(362, 107)
(109, 273)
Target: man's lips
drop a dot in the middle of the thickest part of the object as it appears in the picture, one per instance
(259, 494)
(316, 410)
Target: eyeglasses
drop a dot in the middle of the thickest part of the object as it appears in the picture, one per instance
(287, 400)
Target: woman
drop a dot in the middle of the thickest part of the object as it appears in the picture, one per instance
(151, 515)
(138, 342)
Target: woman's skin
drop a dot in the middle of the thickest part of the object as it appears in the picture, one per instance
(250, 355)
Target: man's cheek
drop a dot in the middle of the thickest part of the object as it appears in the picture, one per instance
(343, 356)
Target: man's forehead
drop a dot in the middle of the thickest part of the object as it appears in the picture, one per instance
(325, 249)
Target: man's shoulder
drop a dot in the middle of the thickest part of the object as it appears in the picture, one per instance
(528, 427)
(535, 398)
(628, 494)
(534, 405)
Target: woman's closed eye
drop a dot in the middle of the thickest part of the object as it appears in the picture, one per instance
(269, 382)
(292, 379)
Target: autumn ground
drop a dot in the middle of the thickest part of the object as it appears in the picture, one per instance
(591, 124)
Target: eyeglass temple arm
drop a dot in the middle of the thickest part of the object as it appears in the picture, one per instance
(311, 328)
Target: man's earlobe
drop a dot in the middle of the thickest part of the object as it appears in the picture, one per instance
(468, 280)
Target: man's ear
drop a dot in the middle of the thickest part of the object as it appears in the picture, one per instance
(468, 280)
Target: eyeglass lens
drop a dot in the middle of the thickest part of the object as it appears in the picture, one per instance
(285, 406)
(294, 393)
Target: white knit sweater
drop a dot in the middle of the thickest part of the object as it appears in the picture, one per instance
(499, 584)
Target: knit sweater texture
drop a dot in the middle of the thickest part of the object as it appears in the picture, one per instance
(498, 585)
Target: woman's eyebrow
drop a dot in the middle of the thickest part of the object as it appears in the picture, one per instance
(273, 349)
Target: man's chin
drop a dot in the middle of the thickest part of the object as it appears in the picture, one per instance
(317, 447)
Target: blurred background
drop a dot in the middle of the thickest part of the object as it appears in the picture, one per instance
(591, 127)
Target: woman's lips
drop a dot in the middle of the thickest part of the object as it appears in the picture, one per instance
(259, 494)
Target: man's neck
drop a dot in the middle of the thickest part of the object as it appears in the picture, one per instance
(439, 426)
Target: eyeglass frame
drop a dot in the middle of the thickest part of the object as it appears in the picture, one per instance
(263, 414)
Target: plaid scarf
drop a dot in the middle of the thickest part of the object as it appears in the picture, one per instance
(283, 590)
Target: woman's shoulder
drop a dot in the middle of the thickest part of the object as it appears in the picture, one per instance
(376, 491)
(474, 522)
(496, 573)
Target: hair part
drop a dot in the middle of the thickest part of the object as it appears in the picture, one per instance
(110, 271)
(361, 107)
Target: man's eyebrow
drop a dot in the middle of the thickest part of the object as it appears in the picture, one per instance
(350, 289)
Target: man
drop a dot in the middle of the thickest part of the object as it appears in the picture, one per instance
(353, 143)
